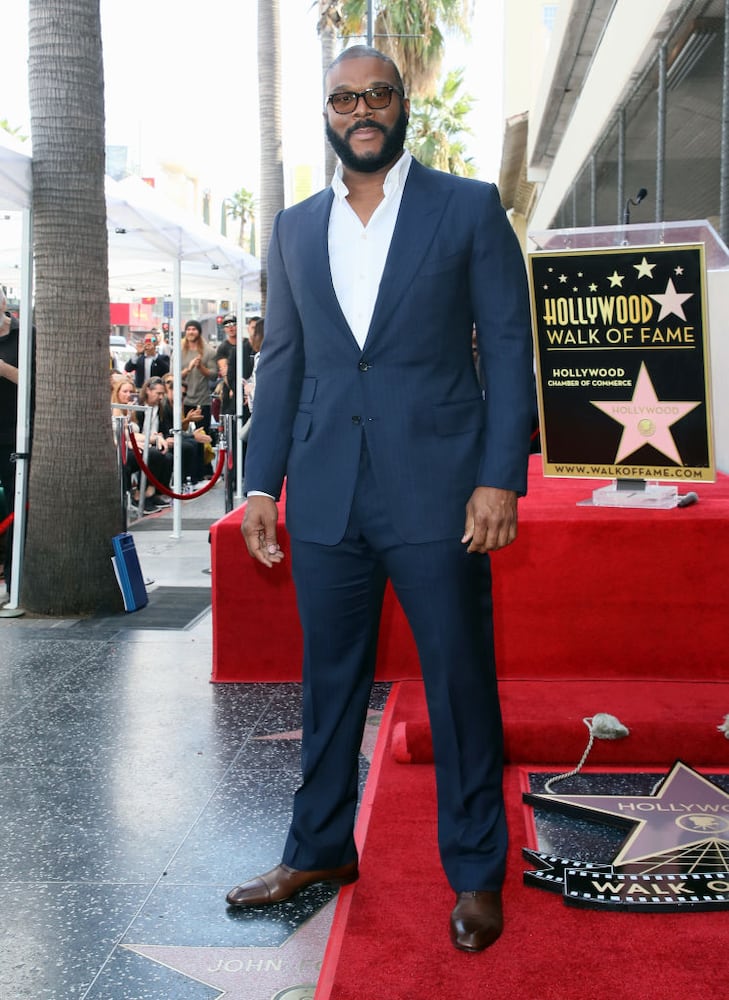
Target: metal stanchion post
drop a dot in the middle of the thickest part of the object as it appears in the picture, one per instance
(119, 423)
(147, 429)
(228, 473)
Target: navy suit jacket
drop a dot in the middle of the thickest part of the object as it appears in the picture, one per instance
(412, 390)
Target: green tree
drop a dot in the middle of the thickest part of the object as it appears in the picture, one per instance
(411, 33)
(73, 491)
(15, 131)
(271, 129)
(437, 127)
(241, 206)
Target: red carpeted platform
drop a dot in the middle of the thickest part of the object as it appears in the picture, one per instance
(256, 632)
(543, 724)
(390, 932)
(586, 592)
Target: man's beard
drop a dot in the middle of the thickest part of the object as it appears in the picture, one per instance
(370, 162)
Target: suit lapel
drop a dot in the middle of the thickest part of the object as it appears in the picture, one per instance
(314, 251)
(421, 209)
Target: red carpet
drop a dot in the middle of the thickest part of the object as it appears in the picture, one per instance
(390, 935)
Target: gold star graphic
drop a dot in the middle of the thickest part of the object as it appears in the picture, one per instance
(644, 269)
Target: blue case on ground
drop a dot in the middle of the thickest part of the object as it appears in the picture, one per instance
(129, 572)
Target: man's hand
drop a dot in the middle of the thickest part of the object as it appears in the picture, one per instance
(259, 530)
(490, 519)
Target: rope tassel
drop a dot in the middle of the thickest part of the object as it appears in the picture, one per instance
(601, 726)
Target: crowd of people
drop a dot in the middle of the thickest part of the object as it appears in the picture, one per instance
(142, 398)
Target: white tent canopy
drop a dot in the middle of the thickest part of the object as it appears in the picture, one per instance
(148, 237)
(15, 176)
(16, 185)
(147, 233)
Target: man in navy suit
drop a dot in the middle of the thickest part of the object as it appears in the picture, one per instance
(397, 466)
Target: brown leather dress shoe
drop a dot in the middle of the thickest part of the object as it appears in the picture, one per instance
(477, 920)
(282, 883)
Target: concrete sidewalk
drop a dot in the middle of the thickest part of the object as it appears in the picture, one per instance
(136, 793)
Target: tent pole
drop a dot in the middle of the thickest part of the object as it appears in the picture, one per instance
(176, 347)
(239, 397)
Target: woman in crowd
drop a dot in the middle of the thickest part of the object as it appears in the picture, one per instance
(193, 438)
(123, 395)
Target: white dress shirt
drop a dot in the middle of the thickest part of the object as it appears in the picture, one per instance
(357, 253)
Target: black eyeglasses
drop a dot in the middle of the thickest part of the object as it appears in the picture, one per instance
(376, 98)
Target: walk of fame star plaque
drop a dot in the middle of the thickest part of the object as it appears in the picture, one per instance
(675, 855)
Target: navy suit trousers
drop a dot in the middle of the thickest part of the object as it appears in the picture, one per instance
(446, 596)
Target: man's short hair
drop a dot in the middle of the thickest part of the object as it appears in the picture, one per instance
(368, 52)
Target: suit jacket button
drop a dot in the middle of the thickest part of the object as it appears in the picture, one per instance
(356, 420)
(363, 366)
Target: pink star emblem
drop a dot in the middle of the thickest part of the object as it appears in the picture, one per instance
(646, 419)
(671, 301)
(253, 973)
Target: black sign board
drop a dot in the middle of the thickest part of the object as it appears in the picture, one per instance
(623, 375)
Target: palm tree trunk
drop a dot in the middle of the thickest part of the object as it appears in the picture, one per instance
(271, 142)
(73, 485)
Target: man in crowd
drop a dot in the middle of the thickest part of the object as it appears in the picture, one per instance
(227, 351)
(397, 466)
(149, 363)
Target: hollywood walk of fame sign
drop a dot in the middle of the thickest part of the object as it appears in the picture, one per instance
(623, 375)
(675, 856)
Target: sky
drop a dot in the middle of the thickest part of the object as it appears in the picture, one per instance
(181, 85)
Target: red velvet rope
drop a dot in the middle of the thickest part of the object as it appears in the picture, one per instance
(165, 489)
(5, 524)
